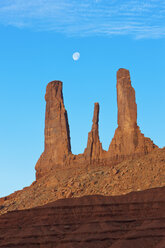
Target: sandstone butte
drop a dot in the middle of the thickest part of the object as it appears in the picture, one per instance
(128, 141)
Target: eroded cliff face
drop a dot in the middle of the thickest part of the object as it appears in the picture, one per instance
(57, 134)
(128, 141)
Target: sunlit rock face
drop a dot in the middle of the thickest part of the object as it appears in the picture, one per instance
(57, 134)
(128, 141)
(93, 152)
(127, 108)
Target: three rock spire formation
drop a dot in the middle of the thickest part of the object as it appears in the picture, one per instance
(128, 141)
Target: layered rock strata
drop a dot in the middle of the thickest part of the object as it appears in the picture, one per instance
(128, 141)
(134, 220)
(57, 134)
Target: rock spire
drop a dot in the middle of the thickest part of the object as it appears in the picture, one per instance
(57, 134)
(127, 108)
(128, 139)
(94, 147)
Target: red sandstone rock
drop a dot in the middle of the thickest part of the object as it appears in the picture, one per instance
(131, 221)
(94, 147)
(127, 108)
(128, 140)
(57, 134)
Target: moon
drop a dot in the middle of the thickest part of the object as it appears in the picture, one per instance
(76, 56)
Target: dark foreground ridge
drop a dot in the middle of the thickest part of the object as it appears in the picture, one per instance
(130, 221)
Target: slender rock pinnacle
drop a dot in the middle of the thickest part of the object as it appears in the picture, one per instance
(94, 147)
(127, 108)
(128, 139)
(57, 134)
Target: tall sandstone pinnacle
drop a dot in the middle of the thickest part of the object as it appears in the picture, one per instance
(128, 140)
(93, 151)
(57, 134)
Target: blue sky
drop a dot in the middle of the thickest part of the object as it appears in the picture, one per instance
(87, 17)
(37, 40)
